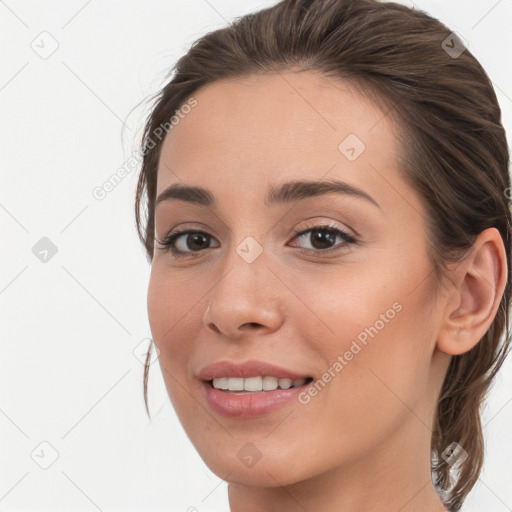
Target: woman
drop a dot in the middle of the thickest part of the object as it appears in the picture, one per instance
(323, 199)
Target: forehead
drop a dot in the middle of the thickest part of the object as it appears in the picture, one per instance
(277, 126)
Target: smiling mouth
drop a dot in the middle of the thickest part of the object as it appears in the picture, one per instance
(248, 385)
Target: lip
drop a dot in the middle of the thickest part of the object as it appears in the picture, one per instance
(250, 405)
(257, 403)
(245, 369)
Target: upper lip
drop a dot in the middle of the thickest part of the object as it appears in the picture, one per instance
(252, 368)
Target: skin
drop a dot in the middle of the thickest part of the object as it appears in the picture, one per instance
(363, 443)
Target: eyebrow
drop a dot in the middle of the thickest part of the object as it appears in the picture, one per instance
(288, 192)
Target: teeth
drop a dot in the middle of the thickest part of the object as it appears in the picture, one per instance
(221, 383)
(285, 383)
(253, 384)
(236, 384)
(266, 383)
(270, 383)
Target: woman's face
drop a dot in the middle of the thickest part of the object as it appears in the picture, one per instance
(354, 313)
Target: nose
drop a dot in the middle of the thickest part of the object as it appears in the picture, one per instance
(244, 301)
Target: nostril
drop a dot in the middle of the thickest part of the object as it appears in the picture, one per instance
(214, 328)
(251, 324)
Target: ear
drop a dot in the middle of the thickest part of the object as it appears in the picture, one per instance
(476, 289)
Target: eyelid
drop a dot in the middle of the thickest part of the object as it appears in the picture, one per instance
(185, 227)
(349, 240)
(318, 224)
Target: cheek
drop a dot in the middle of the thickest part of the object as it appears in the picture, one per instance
(378, 330)
(378, 360)
(175, 314)
(342, 306)
(392, 300)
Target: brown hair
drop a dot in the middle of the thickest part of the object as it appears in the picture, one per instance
(454, 153)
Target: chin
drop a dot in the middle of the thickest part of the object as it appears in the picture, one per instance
(246, 466)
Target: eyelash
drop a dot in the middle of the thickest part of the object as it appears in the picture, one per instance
(168, 241)
(348, 240)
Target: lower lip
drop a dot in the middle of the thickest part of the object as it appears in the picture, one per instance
(257, 403)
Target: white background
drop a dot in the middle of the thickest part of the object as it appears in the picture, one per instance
(69, 327)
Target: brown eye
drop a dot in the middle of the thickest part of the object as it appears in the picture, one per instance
(183, 243)
(192, 241)
(323, 238)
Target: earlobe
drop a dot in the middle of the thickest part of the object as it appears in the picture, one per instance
(476, 289)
